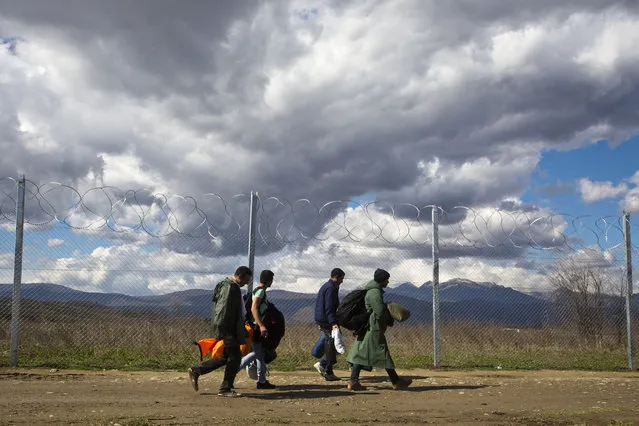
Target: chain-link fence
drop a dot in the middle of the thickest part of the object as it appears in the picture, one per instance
(123, 279)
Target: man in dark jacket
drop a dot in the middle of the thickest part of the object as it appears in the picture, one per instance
(326, 318)
(227, 323)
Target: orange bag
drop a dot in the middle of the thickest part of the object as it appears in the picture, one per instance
(216, 346)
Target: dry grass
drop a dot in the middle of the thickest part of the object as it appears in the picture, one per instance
(125, 342)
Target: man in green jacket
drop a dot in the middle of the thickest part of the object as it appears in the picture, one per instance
(371, 351)
(227, 323)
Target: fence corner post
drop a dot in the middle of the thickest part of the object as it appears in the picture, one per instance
(436, 340)
(251, 241)
(629, 290)
(17, 275)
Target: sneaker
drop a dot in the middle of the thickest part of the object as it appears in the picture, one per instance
(229, 393)
(266, 385)
(193, 377)
(251, 371)
(355, 386)
(331, 377)
(320, 369)
(402, 383)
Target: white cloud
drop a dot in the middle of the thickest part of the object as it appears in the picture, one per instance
(614, 42)
(132, 269)
(6, 268)
(306, 271)
(597, 191)
(630, 203)
(54, 242)
(609, 264)
(505, 273)
(6, 261)
(485, 246)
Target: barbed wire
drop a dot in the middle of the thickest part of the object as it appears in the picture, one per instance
(281, 221)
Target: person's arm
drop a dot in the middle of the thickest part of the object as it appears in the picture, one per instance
(376, 302)
(380, 309)
(240, 314)
(255, 310)
(227, 309)
(332, 302)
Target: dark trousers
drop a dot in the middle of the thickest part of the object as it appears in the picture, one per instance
(231, 358)
(325, 348)
(356, 369)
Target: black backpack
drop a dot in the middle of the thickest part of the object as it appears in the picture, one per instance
(273, 320)
(352, 314)
(275, 324)
(248, 303)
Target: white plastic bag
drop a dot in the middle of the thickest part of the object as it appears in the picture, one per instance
(338, 340)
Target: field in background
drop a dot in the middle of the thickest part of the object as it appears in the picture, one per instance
(166, 344)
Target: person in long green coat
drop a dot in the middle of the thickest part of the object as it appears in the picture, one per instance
(371, 350)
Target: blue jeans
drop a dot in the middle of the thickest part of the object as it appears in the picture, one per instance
(258, 355)
(319, 350)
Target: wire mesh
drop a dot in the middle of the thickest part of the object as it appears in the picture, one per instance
(123, 278)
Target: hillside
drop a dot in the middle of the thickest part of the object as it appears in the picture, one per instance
(460, 300)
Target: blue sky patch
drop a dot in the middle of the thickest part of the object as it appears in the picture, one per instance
(555, 182)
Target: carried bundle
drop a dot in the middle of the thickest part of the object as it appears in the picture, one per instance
(215, 347)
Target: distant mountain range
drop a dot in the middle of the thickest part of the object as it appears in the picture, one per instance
(460, 300)
(458, 290)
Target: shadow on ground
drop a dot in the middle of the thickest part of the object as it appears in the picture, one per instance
(311, 391)
(312, 394)
(384, 378)
(449, 387)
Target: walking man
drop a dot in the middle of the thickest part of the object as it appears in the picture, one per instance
(227, 323)
(326, 318)
(258, 309)
(371, 351)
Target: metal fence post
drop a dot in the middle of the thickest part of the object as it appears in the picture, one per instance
(436, 348)
(629, 316)
(251, 242)
(17, 276)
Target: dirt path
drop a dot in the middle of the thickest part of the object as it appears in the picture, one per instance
(138, 398)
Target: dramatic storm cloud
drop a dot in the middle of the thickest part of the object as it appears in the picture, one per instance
(417, 102)
(412, 99)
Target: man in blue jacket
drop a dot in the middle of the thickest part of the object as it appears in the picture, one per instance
(326, 318)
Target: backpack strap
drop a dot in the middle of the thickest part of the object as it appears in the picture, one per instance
(265, 299)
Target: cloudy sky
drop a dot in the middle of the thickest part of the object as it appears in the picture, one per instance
(527, 107)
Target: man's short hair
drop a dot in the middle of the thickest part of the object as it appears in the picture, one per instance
(337, 273)
(243, 271)
(266, 276)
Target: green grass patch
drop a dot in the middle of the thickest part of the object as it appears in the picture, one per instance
(132, 358)
(137, 344)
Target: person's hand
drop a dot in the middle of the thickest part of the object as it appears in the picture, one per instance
(263, 331)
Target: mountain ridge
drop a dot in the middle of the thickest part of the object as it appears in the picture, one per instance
(460, 300)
